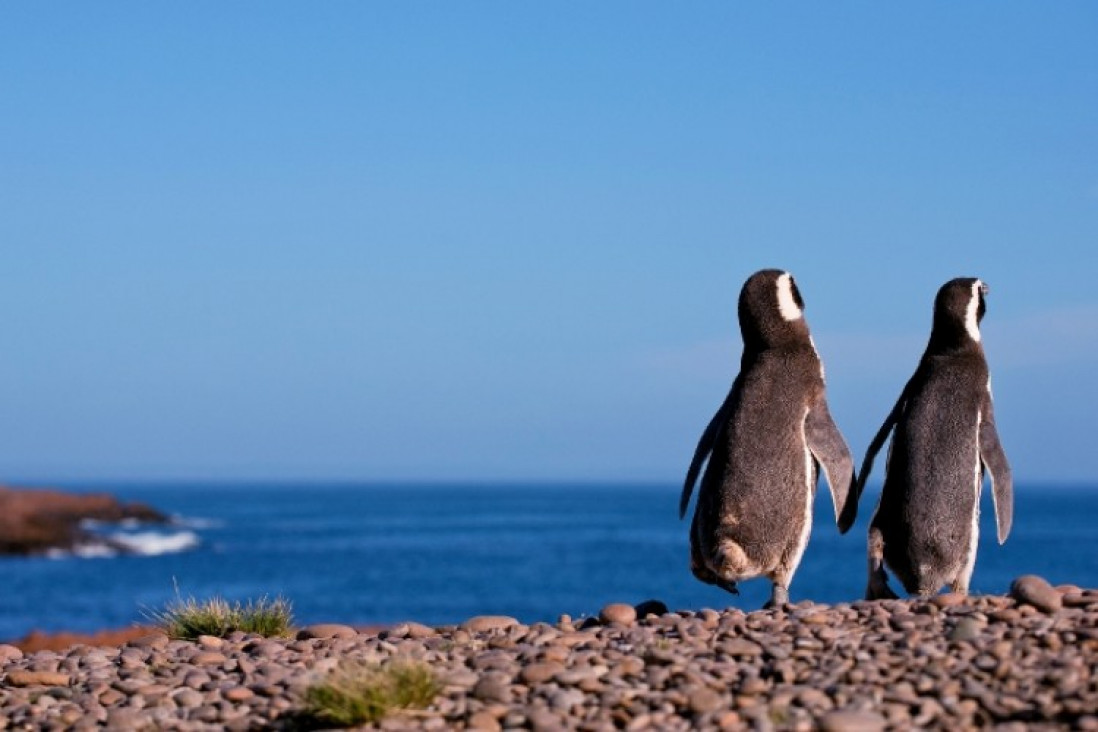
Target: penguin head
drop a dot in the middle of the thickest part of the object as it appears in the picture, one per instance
(771, 310)
(958, 310)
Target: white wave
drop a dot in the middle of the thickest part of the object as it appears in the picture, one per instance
(153, 543)
(95, 550)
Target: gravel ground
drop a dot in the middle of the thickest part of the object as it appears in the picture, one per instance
(1026, 661)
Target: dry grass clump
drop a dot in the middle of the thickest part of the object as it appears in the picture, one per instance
(189, 618)
(359, 693)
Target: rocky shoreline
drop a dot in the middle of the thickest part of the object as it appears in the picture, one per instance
(1026, 661)
(36, 521)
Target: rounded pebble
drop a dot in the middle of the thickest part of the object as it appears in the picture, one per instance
(485, 623)
(1036, 591)
(326, 630)
(618, 612)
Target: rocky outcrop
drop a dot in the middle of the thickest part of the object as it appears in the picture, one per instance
(35, 521)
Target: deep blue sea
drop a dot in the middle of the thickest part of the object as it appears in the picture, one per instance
(441, 553)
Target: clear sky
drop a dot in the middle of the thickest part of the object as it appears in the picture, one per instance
(409, 240)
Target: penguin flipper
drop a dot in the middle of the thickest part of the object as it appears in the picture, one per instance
(879, 440)
(705, 446)
(829, 449)
(995, 462)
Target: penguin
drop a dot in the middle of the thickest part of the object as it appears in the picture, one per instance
(926, 524)
(765, 447)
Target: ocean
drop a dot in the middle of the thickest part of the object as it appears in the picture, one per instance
(437, 554)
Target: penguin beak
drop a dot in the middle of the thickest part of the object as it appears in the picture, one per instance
(984, 289)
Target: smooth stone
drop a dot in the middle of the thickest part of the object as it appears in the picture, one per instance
(464, 679)
(488, 689)
(948, 599)
(188, 698)
(1036, 591)
(542, 720)
(156, 641)
(704, 700)
(538, 673)
(485, 623)
(483, 721)
(740, 647)
(212, 642)
(9, 653)
(238, 694)
(209, 658)
(326, 630)
(123, 719)
(566, 699)
(38, 678)
(852, 721)
(618, 612)
(966, 629)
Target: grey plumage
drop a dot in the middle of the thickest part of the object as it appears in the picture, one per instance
(765, 447)
(926, 528)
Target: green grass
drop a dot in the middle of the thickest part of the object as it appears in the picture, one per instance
(358, 693)
(189, 618)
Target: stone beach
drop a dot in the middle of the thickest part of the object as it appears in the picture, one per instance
(1020, 662)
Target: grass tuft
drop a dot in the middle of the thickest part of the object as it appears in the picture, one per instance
(189, 618)
(359, 693)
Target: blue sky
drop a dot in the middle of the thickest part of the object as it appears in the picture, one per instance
(401, 241)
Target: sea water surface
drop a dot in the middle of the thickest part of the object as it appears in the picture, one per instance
(440, 553)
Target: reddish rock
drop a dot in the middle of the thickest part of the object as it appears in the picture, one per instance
(38, 678)
(949, 599)
(34, 521)
(238, 694)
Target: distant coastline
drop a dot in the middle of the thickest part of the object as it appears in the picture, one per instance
(38, 521)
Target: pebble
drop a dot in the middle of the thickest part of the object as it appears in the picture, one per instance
(704, 700)
(950, 662)
(158, 641)
(948, 599)
(1032, 590)
(618, 612)
(326, 630)
(966, 629)
(487, 623)
(537, 673)
(37, 678)
(852, 721)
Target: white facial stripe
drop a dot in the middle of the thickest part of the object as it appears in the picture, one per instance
(971, 325)
(787, 306)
